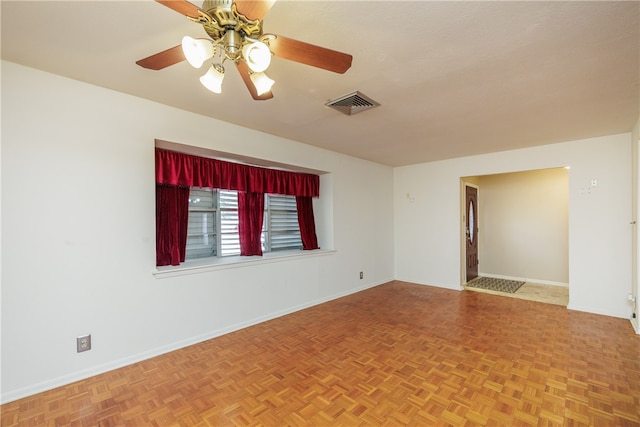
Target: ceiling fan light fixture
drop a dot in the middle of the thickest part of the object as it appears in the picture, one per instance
(212, 80)
(257, 55)
(235, 28)
(261, 82)
(197, 50)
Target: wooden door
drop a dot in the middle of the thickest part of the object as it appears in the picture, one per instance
(471, 230)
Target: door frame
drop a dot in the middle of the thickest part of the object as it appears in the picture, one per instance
(463, 231)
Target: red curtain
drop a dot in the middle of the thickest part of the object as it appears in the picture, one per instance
(250, 217)
(307, 223)
(176, 172)
(172, 218)
(176, 168)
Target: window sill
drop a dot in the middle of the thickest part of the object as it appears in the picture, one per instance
(212, 264)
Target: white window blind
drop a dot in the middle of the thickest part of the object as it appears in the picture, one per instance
(201, 231)
(229, 234)
(282, 221)
(213, 223)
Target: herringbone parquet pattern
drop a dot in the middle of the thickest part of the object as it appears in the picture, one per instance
(397, 354)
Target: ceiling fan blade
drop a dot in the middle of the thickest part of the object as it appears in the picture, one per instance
(254, 9)
(183, 7)
(309, 54)
(243, 69)
(163, 59)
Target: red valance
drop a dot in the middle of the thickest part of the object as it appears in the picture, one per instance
(176, 168)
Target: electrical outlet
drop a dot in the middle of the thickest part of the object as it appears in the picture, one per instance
(361, 275)
(83, 343)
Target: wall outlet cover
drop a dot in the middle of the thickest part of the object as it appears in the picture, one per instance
(83, 343)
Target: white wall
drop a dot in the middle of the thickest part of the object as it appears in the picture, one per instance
(524, 223)
(78, 243)
(635, 161)
(428, 226)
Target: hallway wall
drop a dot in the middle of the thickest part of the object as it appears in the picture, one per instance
(524, 223)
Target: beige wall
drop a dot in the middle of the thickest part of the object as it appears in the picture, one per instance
(524, 228)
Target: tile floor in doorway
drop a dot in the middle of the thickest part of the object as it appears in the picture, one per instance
(558, 295)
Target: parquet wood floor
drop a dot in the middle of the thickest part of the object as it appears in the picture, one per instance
(397, 354)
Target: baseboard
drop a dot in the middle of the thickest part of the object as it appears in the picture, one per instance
(574, 307)
(635, 324)
(525, 279)
(10, 396)
(433, 284)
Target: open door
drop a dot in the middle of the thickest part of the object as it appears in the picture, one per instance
(471, 230)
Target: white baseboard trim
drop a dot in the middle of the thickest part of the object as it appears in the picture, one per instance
(12, 395)
(525, 279)
(592, 310)
(635, 324)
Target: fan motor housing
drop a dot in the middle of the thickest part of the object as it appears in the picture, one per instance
(225, 17)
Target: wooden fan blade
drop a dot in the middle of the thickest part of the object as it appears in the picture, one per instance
(309, 54)
(243, 69)
(183, 7)
(163, 59)
(253, 9)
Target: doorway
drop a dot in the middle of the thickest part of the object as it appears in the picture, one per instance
(521, 226)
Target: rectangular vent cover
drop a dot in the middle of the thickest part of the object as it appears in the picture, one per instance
(352, 103)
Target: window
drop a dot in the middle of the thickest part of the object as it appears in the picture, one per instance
(202, 226)
(208, 219)
(213, 224)
(229, 235)
(281, 229)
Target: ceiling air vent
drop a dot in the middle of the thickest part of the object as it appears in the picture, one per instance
(352, 103)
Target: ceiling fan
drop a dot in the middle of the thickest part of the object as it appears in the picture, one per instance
(235, 33)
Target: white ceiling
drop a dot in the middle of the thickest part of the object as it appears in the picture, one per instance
(453, 78)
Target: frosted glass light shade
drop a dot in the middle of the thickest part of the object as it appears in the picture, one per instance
(257, 55)
(212, 80)
(197, 50)
(261, 82)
